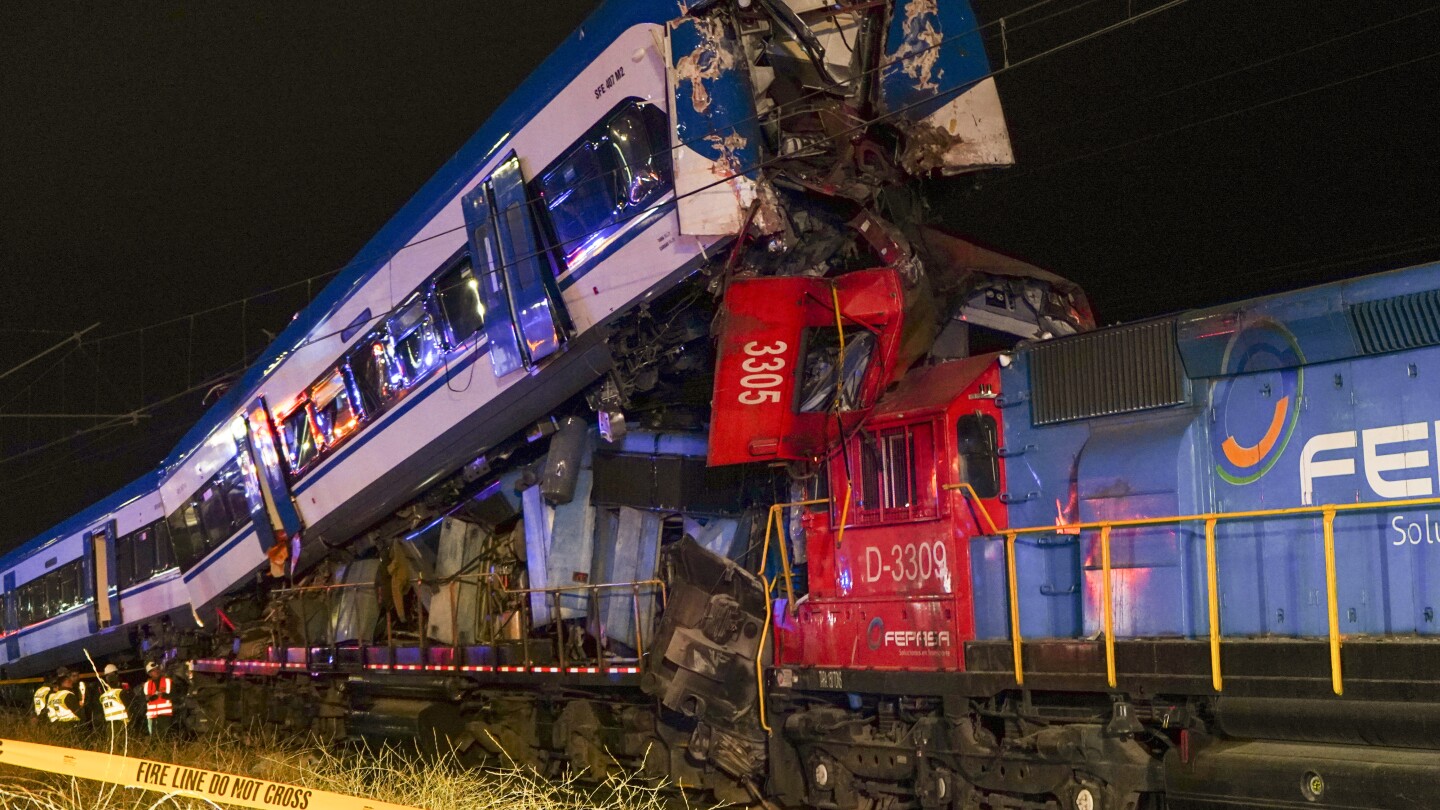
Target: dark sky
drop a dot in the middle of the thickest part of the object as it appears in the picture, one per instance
(162, 159)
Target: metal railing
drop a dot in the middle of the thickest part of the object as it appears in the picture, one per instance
(1326, 512)
(774, 521)
(500, 603)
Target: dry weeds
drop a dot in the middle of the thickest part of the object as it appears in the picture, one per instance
(387, 775)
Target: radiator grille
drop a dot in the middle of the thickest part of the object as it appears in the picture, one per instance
(1402, 322)
(1132, 368)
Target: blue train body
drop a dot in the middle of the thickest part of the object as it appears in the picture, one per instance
(1321, 396)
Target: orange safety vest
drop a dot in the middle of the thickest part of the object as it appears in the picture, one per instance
(157, 701)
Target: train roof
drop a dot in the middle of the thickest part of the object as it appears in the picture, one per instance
(563, 64)
(932, 387)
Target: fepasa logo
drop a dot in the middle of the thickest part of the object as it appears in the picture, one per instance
(876, 636)
(1257, 402)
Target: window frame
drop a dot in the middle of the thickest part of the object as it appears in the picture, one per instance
(923, 446)
(963, 458)
(624, 221)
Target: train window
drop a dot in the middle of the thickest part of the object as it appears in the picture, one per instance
(457, 296)
(230, 484)
(822, 355)
(164, 551)
(299, 438)
(608, 181)
(370, 368)
(413, 342)
(52, 595)
(125, 561)
(897, 474)
(335, 412)
(186, 535)
(142, 554)
(975, 443)
(214, 516)
(69, 594)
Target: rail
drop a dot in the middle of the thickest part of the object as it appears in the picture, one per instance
(1211, 520)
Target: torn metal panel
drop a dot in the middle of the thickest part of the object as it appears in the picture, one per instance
(936, 86)
(708, 647)
(1056, 304)
(357, 608)
(454, 610)
(571, 538)
(628, 551)
(716, 134)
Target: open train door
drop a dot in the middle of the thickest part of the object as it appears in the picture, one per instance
(279, 526)
(100, 579)
(525, 320)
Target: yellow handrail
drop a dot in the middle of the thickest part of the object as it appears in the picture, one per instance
(1212, 578)
(1326, 511)
(1331, 600)
(772, 520)
(974, 498)
(1014, 607)
(1109, 611)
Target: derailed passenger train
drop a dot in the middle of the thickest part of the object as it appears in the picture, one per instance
(553, 258)
(642, 440)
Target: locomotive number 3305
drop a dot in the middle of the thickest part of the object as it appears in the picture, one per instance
(762, 369)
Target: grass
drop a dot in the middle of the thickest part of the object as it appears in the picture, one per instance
(387, 775)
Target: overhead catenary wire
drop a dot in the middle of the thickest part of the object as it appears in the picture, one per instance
(189, 318)
(669, 200)
(801, 101)
(1045, 167)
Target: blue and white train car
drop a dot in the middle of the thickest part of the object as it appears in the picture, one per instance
(477, 310)
(102, 582)
(629, 161)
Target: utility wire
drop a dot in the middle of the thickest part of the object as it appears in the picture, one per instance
(1045, 167)
(669, 201)
(698, 141)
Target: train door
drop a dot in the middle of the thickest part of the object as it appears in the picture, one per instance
(525, 320)
(12, 618)
(277, 521)
(101, 577)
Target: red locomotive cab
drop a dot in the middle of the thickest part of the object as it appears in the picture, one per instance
(888, 558)
(800, 360)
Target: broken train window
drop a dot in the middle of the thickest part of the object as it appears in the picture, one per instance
(608, 181)
(820, 390)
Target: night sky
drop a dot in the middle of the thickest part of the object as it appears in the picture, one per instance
(168, 159)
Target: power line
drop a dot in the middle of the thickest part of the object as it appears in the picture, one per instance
(1072, 122)
(1044, 167)
(74, 338)
(755, 167)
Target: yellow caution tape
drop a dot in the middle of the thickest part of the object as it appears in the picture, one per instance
(180, 780)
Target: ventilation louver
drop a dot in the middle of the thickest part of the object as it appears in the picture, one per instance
(1123, 370)
(1402, 322)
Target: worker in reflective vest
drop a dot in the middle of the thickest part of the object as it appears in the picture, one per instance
(158, 708)
(113, 697)
(63, 703)
(42, 701)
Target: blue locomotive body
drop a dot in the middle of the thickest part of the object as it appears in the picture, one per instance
(1290, 402)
